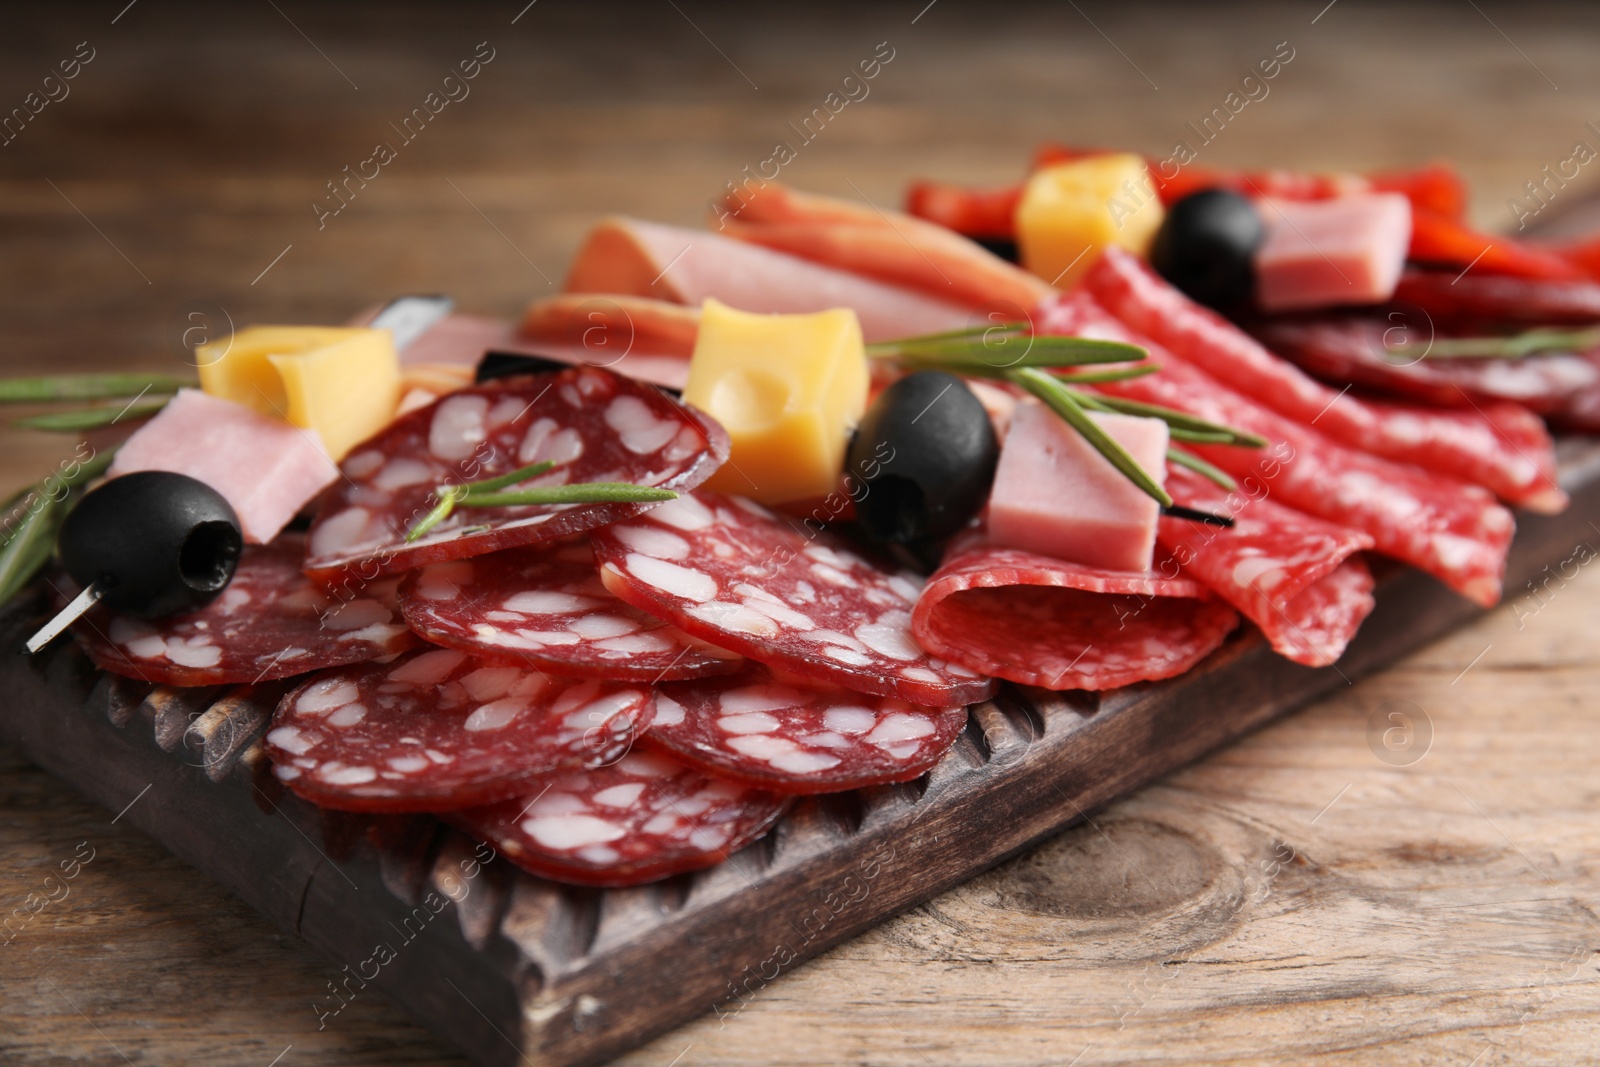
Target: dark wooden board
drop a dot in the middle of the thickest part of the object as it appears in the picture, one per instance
(515, 969)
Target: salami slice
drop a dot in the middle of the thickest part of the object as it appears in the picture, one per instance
(1451, 529)
(439, 730)
(637, 820)
(730, 571)
(1267, 563)
(1510, 453)
(547, 607)
(1452, 298)
(1061, 625)
(271, 622)
(595, 426)
(791, 735)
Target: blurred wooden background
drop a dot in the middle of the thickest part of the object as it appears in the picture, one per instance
(1293, 897)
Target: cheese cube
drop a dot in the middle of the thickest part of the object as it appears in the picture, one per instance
(342, 383)
(1056, 495)
(1071, 211)
(789, 389)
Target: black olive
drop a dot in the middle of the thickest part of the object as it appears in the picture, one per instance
(1206, 246)
(924, 457)
(504, 364)
(157, 543)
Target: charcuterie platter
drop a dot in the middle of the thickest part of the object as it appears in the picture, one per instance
(692, 625)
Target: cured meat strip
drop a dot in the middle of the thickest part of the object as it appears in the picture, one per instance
(788, 734)
(1452, 299)
(889, 246)
(685, 266)
(271, 622)
(1349, 349)
(731, 572)
(1507, 450)
(1060, 625)
(1274, 565)
(637, 820)
(440, 730)
(638, 336)
(1448, 528)
(547, 607)
(595, 426)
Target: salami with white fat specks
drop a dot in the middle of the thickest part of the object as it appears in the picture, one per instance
(637, 820)
(789, 735)
(547, 607)
(1060, 625)
(439, 731)
(731, 572)
(595, 426)
(271, 622)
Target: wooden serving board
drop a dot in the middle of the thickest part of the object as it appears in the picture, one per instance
(516, 969)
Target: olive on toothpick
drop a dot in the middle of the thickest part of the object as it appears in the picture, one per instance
(147, 544)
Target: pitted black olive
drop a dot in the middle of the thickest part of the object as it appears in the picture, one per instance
(925, 454)
(1206, 246)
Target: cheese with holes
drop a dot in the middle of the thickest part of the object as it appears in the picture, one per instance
(789, 389)
(1071, 211)
(1056, 495)
(341, 382)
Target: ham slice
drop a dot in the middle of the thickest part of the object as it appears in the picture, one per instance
(1505, 448)
(1289, 573)
(1054, 494)
(642, 337)
(886, 245)
(1326, 253)
(265, 468)
(682, 266)
(1447, 527)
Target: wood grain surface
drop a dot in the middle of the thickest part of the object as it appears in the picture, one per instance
(1312, 892)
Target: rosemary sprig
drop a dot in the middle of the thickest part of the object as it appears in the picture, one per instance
(497, 493)
(29, 545)
(993, 355)
(1202, 468)
(1094, 377)
(87, 387)
(90, 418)
(1516, 346)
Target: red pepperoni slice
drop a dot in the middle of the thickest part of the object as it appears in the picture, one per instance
(1271, 565)
(439, 730)
(594, 426)
(547, 607)
(1060, 625)
(271, 622)
(793, 736)
(731, 572)
(642, 818)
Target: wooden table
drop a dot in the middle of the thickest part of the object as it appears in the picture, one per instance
(1306, 893)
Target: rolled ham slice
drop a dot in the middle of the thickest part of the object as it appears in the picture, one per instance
(681, 266)
(1506, 449)
(1291, 574)
(1447, 527)
(1042, 621)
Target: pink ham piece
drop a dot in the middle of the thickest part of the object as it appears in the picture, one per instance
(1503, 447)
(1060, 625)
(1452, 530)
(1328, 253)
(264, 467)
(1289, 573)
(644, 338)
(648, 259)
(1054, 494)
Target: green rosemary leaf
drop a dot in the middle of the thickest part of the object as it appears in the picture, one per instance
(87, 387)
(1064, 403)
(1201, 467)
(90, 418)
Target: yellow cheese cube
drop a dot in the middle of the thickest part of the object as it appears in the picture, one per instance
(789, 389)
(1071, 211)
(342, 383)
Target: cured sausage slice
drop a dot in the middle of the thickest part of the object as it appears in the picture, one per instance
(439, 730)
(639, 819)
(271, 622)
(1268, 564)
(595, 426)
(547, 607)
(793, 736)
(1060, 625)
(729, 571)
